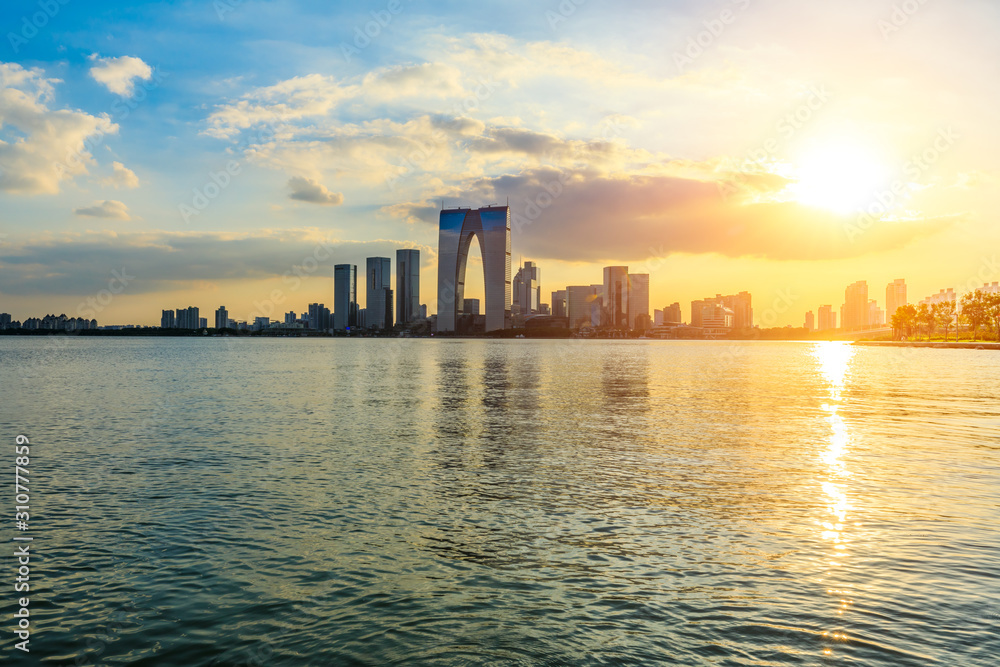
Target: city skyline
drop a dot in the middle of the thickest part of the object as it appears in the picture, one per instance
(754, 163)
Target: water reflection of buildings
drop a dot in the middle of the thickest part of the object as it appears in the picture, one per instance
(834, 364)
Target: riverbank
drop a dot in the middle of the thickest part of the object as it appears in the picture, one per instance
(965, 345)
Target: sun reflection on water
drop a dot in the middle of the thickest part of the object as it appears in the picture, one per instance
(834, 361)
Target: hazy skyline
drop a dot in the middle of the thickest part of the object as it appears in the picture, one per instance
(209, 148)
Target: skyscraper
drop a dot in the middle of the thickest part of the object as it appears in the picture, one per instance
(638, 298)
(827, 318)
(491, 227)
(559, 303)
(188, 318)
(527, 290)
(167, 319)
(615, 297)
(221, 318)
(672, 314)
(810, 324)
(579, 303)
(345, 296)
(378, 283)
(895, 296)
(407, 285)
(856, 308)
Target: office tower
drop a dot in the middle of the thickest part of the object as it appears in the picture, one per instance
(526, 290)
(261, 323)
(471, 306)
(741, 305)
(716, 315)
(638, 299)
(319, 317)
(615, 297)
(672, 314)
(407, 285)
(167, 319)
(580, 300)
(221, 318)
(696, 307)
(855, 313)
(378, 279)
(827, 318)
(810, 324)
(423, 311)
(657, 318)
(559, 303)
(491, 227)
(345, 296)
(290, 317)
(895, 296)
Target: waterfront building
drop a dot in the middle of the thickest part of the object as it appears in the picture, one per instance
(490, 226)
(167, 319)
(559, 303)
(345, 296)
(407, 285)
(221, 318)
(856, 311)
(378, 284)
(895, 296)
(615, 297)
(638, 299)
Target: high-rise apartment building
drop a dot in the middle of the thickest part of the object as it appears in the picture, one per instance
(895, 296)
(188, 318)
(810, 324)
(855, 315)
(345, 296)
(407, 285)
(827, 318)
(167, 319)
(221, 318)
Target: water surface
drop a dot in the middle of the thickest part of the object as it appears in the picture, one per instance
(374, 502)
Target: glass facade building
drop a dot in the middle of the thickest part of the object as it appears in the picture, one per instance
(491, 227)
(345, 296)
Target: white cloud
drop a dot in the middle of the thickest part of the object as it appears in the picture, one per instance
(41, 147)
(118, 74)
(308, 190)
(109, 208)
(121, 177)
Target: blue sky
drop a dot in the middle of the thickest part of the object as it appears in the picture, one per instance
(353, 149)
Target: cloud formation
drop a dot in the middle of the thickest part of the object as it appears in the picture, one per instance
(119, 74)
(308, 190)
(121, 177)
(109, 208)
(584, 215)
(79, 263)
(41, 147)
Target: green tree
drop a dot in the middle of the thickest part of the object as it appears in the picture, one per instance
(993, 311)
(975, 311)
(944, 315)
(925, 316)
(903, 321)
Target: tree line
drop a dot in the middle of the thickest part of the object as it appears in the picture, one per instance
(976, 311)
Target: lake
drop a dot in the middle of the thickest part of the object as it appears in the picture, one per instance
(224, 501)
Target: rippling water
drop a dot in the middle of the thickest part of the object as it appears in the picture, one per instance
(373, 502)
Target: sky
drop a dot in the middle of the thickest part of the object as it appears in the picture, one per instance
(224, 152)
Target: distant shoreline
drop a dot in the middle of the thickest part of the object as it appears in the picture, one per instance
(964, 345)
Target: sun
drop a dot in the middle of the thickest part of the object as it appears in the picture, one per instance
(839, 176)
